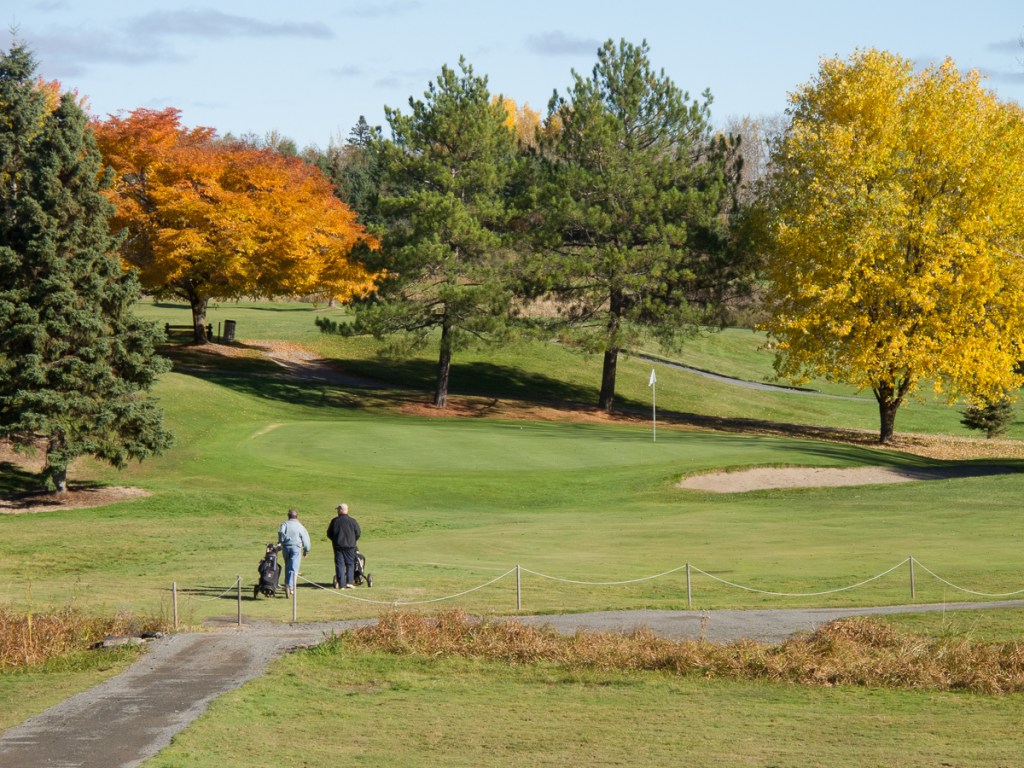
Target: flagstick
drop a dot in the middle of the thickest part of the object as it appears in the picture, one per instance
(652, 383)
(654, 412)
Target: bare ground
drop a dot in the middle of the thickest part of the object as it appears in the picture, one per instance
(78, 496)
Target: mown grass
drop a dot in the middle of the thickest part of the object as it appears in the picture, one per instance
(448, 504)
(416, 691)
(451, 503)
(546, 372)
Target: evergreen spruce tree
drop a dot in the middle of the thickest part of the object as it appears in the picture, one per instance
(75, 363)
(358, 179)
(993, 418)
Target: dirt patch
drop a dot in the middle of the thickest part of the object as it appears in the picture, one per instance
(78, 496)
(75, 498)
(766, 478)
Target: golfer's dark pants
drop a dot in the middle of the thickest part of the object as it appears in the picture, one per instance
(345, 565)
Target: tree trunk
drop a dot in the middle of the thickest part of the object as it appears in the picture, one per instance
(888, 403)
(56, 464)
(611, 352)
(60, 479)
(611, 361)
(444, 366)
(198, 304)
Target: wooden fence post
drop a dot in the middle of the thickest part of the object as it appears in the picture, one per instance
(913, 586)
(689, 588)
(519, 588)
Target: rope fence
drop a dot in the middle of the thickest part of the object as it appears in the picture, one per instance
(910, 562)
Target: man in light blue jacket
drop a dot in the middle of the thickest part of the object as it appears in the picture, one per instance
(294, 541)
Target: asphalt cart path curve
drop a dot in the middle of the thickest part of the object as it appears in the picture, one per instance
(129, 718)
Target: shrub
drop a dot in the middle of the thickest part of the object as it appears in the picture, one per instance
(27, 639)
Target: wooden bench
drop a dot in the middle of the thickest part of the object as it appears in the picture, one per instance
(185, 331)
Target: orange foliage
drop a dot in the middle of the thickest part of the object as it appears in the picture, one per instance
(226, 220)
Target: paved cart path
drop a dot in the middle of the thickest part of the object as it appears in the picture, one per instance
(129, 718)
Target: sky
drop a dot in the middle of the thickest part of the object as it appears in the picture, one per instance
(308, 69)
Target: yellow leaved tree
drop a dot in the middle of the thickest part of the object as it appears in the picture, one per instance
(523, 121)
(895, 222)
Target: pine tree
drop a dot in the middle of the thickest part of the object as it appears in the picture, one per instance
(634, 236)
(443, 175)
(75, 363)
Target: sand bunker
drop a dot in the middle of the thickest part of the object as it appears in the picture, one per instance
(764, 478)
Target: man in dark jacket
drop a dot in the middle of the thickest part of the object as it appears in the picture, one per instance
(344, 533)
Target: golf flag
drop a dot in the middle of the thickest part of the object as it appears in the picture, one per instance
(654, 406)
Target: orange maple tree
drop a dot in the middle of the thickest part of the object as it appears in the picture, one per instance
(205, 218)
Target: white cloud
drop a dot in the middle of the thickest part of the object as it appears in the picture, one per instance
(212, 24)
(560, 44)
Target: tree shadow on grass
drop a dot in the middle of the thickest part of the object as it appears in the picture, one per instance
(259, 378)
(15, 480)
(276, 308)
(360, 383)
(397, 384)
(22, 490)
(845, 444)
(476, 379)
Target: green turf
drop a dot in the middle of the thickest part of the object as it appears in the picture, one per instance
(450, 504)
(377, 710)
(549, 373)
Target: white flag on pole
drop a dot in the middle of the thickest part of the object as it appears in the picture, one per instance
(654, 379)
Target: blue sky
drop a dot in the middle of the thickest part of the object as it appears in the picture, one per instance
(309, 68)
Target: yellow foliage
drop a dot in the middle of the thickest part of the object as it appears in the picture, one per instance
(522, 121)
(897, 231)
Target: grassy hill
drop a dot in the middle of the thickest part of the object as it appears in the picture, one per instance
(449, 504)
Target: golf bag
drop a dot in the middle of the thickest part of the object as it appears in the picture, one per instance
(360, 575)
(269, 570)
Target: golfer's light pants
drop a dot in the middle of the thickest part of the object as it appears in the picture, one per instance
(292, 557)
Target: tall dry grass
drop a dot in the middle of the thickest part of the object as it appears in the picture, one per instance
(858, 651)
(27, 639)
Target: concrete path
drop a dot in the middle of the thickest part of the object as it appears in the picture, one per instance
(129, 718)
(724, 626)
